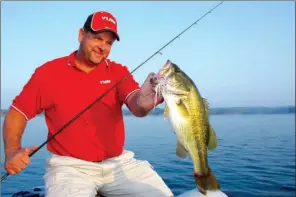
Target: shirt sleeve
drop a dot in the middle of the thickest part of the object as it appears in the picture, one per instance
(127, 86)
(31, 100)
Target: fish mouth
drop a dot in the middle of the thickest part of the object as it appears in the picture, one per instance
(164, 71)
(167, 65)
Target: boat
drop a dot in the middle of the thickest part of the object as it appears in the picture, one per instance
(39, 192)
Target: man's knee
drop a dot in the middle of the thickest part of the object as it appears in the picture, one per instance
(137, 177)
(65, 182)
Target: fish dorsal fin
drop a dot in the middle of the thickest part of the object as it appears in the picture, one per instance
(213, 142)
(180, 150)
(207, 106)
(182, 108)
(166, 111)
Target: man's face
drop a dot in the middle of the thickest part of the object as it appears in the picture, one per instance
(96, 47)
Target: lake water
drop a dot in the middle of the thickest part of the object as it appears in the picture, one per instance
(255, 156)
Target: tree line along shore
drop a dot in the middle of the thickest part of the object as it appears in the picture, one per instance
(221, 111)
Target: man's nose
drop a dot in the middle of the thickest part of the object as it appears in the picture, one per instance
(101, 47)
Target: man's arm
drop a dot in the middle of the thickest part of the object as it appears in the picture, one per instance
(26, 105)
(133, 104)
(31, 101)
(16, 157)
(141, 102)
(13, 129)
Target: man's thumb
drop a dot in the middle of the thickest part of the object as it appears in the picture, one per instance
(31, 149)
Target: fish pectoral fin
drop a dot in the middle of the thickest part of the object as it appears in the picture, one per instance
(182, 108)
(213, 142)
(166, 111)
(181, 151)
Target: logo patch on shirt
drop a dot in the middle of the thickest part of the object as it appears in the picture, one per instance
(105, 81)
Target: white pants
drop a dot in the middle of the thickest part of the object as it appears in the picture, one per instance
(121, 176)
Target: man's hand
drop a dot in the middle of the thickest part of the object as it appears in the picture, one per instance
(147, 98)
(18, 160)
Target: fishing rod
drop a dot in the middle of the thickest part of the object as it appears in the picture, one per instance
(122, 79)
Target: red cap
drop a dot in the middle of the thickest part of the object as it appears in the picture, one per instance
(102, 20)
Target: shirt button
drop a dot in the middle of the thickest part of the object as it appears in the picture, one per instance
(85, 122)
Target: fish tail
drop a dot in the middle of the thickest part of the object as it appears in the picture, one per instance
(206, 182)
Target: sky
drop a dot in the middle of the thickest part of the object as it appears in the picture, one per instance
(241, 54)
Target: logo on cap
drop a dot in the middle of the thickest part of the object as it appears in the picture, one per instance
(108, 19)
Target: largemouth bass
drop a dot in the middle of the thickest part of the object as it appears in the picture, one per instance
(188, 113)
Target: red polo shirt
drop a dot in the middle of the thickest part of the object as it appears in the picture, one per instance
(61, 90)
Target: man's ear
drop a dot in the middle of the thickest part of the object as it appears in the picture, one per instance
(81, 34)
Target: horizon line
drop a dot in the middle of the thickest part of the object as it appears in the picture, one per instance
(258, 106)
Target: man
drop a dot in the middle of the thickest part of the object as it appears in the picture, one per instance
(88, 155)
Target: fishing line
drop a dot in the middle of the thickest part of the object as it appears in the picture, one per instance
(122, 79)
